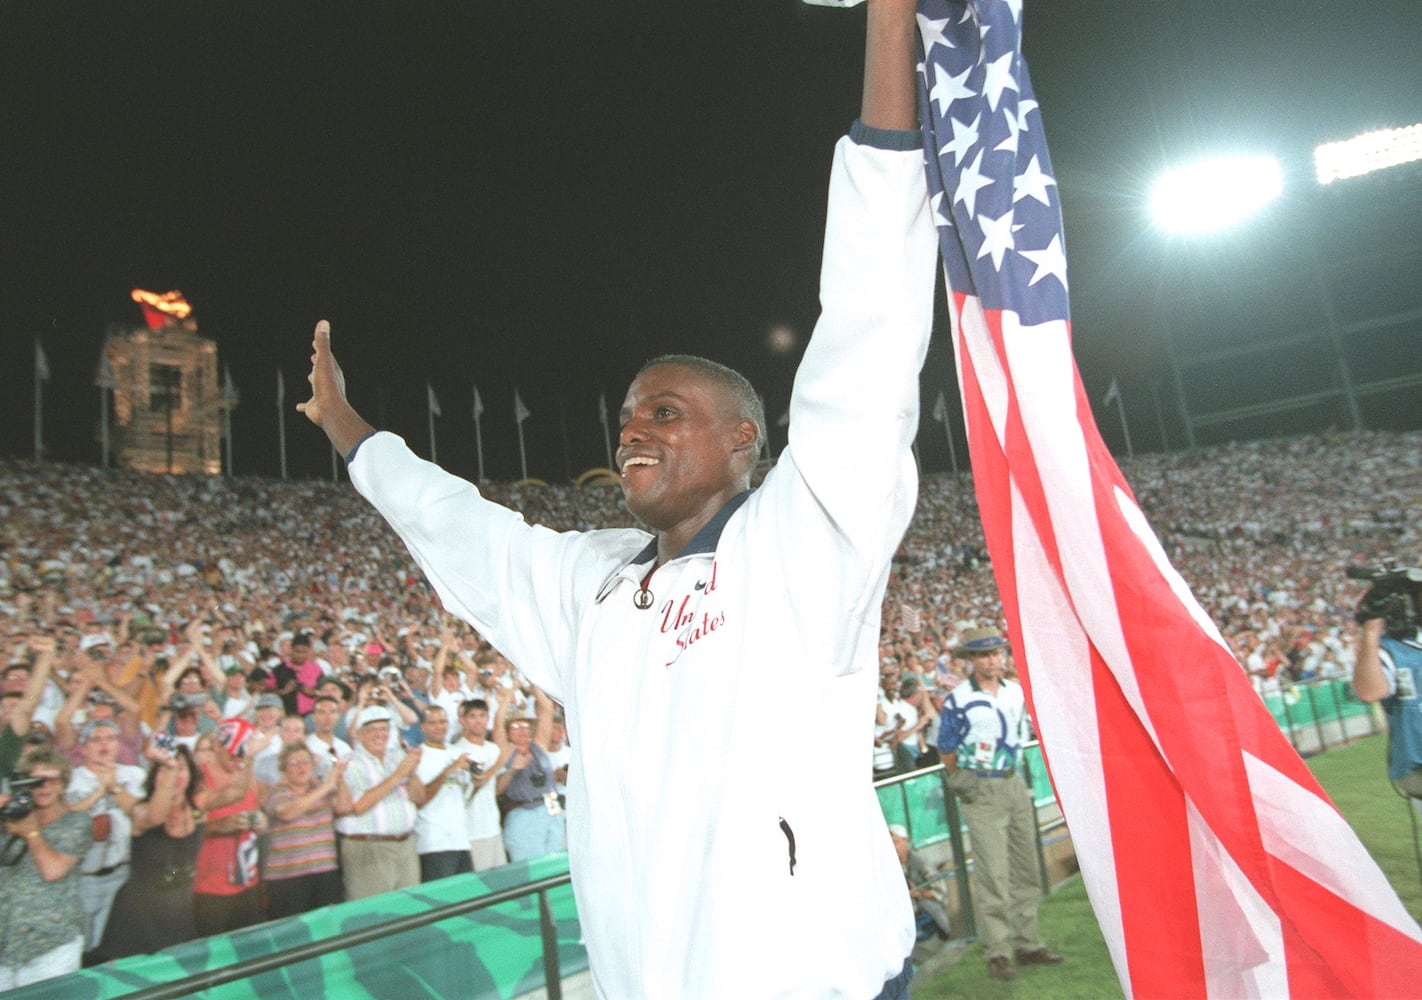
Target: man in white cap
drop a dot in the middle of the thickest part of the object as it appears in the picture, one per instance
(376, 801)
(980, 736)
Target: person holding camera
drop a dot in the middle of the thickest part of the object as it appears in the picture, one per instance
(441, 834)
(527, 786)
(481, 807)
(41, 922)
(1387, 668)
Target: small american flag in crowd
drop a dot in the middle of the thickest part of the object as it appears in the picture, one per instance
(911, 618)
(1214, 861)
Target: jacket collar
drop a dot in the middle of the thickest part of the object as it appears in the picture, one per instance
(704, 542)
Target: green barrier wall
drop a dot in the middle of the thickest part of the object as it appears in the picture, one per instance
(491, 953)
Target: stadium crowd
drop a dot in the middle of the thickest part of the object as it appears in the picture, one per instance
(257, 707)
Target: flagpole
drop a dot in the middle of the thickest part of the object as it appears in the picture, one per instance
(1159, 415)
(518, 422)
(479, 431)
(39, 411)
(281, 421)
(430, 414)
(103, 427)
(229, 400)
(41, 374)
(940, 413)
(563, 429)
(1121, 412)
(606, 429)
(227, 434)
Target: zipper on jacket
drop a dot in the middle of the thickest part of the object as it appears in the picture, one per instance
(790, 840)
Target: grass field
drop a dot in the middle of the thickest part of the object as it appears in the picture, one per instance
(1355, 776)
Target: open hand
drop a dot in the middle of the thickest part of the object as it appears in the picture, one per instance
(328, 383)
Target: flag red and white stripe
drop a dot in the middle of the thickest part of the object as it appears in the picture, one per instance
(1216, 864)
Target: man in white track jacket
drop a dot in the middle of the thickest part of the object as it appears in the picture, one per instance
(704, 868)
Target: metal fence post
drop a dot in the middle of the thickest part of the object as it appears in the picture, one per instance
(1288, 718)
(548, 929)
(1036, 826)
(1317, 725)
(960, 858)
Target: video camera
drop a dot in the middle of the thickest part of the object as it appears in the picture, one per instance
(1394, 596)
(21, 803)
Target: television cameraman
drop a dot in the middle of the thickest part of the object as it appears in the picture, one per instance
(1387, 666)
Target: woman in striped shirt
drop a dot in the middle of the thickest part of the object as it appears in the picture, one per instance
(302, 870)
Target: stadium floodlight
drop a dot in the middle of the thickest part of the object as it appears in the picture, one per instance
(1215, 193)
(1366, 153)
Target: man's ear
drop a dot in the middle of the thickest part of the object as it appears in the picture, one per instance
(745, 435)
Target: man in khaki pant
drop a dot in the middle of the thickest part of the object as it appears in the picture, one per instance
(980, 738)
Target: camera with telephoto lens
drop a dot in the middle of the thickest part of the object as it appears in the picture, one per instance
(1394, 596)
(21, 803)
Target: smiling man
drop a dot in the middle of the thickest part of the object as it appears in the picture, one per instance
(700, 872)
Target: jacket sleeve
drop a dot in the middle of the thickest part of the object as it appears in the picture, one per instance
(521, 585)
(845, 487)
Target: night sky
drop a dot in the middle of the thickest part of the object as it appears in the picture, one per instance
(513, 193)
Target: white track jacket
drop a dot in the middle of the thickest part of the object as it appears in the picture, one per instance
(705, 862)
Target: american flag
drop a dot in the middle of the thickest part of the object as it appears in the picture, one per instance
(1215, 863)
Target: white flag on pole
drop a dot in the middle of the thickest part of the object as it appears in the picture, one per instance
(433, 400)
(520, 411)
(478, 404)
(940, 409)
(41, 363)
(104, 377)
(1112, 394)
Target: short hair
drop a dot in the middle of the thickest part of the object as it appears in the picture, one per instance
(472, 705)
(345, 691)
(324, 697)
(50, 757)
(194, 777)
(288, 751)
(737, 386)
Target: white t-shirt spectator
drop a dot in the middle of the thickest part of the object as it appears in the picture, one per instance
(440, 823)
(482, 811)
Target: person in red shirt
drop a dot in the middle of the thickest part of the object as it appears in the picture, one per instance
(225, 883)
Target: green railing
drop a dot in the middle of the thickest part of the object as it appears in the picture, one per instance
(497, 934)
(1318, 714)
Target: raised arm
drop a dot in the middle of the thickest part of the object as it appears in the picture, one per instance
(1369, 680)
(43, 648)
(328, 408)
(890, 98)
(543, 718)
